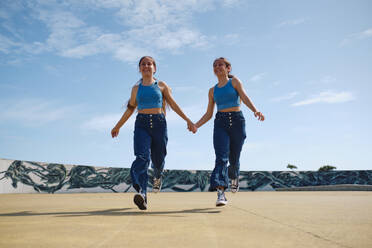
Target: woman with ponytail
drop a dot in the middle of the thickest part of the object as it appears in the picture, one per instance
(149, 96)
(229, 128)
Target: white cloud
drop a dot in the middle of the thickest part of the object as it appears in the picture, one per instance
(366, 33)
(6, 44)
(293, 22)
(130, 52)
(257, 77)
(184, 37)
(286, 97)
(146, 26)
(229, 3)
(104, 123)
(67, 32)
(164, 38)
(231, 39)
(357, 36)
(144, 12)
(35, 111)
(8, 26)
(140, 13)
(54, 70)
(10, 6)
(327, 97)
(323, 81)
(81, 51)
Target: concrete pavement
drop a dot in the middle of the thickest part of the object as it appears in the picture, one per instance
(252, 219)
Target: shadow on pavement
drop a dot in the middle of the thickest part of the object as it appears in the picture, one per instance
(114, 212)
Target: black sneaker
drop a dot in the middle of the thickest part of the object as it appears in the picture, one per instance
(141, 201)
(156, 185)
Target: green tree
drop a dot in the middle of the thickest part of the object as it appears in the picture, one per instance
(291, 166)
(327, 168)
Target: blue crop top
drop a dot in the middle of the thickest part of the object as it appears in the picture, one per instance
(226, 96)
(149, 96)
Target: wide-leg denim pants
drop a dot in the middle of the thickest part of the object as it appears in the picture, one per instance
(150, 142)
(228, 139)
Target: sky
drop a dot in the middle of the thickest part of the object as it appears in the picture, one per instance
(67, 69)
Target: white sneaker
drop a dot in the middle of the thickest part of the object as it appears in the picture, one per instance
(234, 187)
(156, 185)
(221, 199)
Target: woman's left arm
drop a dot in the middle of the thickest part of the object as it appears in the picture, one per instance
(246, 100)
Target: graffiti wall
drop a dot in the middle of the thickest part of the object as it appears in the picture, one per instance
(32, 177)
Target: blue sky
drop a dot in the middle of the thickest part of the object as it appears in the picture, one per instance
(67, 68)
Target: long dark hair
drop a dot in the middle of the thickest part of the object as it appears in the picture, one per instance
(227, 63)
(165, 104)
(148, 57)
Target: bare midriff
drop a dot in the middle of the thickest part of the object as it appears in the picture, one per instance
(232, 109)
(151, 111)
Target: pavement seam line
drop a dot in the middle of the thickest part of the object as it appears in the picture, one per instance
(212, 232)
(119, 230)
(293, 227)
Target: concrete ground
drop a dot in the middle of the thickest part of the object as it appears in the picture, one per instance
(251, 219)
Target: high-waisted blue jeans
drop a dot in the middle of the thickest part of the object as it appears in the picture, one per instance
(150, 142)
(228, 139)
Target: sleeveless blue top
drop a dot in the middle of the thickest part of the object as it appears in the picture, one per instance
(226, 96)
(149, 96)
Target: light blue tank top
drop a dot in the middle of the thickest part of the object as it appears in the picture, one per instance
(226, 96)
(149, 96)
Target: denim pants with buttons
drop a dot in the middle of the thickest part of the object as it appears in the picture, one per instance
(150, 143)
(228, 139)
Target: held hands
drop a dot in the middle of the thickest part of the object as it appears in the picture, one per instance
(259, 116)
(115, 132)
(191, 127)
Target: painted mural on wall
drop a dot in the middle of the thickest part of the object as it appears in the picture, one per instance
(286, 179)
(51, 178)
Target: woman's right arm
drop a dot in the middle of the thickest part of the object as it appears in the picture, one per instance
(132, 104)
(208, 115)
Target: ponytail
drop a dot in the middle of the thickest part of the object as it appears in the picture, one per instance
(227, 63)
(165, 105)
